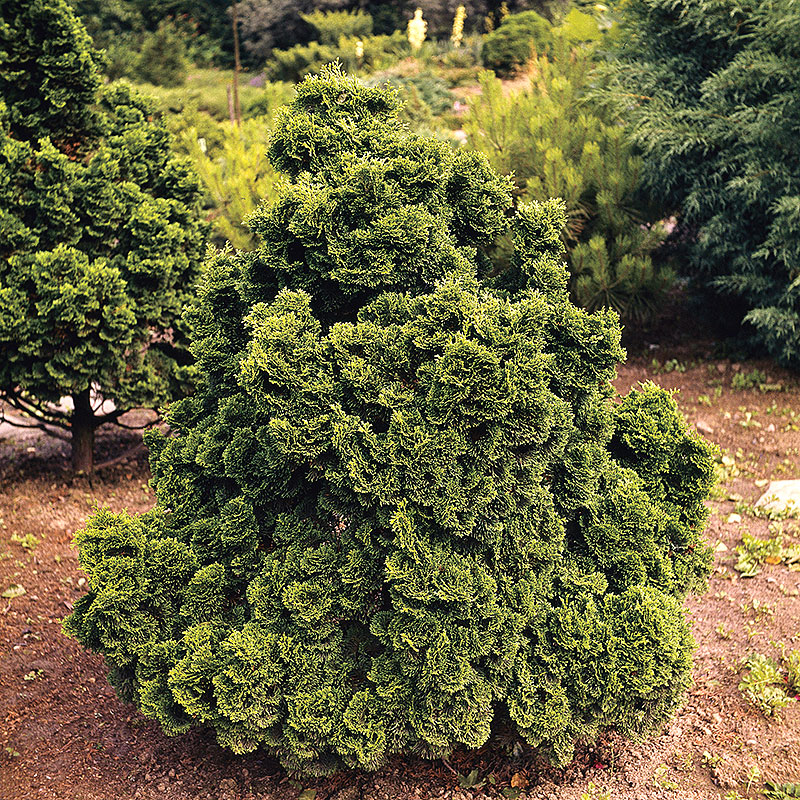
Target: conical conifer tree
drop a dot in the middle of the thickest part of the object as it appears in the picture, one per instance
(100, 234)
(402, 510)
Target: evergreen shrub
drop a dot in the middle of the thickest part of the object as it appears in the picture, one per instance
(339, 36)
(331, 26)
(163, 57)
(510, 45)
(558, 142)
(100, 236)
(403, 510)
(711, 93)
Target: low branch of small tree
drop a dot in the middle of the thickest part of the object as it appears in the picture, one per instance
(38, 425)
(132, 451)
(35, 410)
(113, 417)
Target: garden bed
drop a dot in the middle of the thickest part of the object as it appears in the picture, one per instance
(64, 734)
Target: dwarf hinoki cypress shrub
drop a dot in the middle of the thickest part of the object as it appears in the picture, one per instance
(402, 509)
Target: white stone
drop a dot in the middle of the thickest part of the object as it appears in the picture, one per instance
(782, 497)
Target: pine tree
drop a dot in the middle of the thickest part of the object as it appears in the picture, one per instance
(100, 238)
(711, 90)
(402, 509)
(558, 143)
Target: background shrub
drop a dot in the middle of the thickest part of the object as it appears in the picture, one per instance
(334, 44)
(100, 236)
(558, 143)
(518, 37)
(711, 92)
(331, 26)
(163, 57)
(233, 167)
(401, 508)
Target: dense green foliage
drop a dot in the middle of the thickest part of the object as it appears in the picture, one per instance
(341, 37)
(401, 510)
(560, 144)
(100, 240)
(518, 38)
(424, 96)
(49, 78)
(712, 94)
(163, 58)
(331, 26)
(199, 30)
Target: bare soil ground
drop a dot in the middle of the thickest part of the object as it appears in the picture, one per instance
(65, 735)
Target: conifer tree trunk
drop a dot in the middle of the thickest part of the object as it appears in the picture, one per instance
(82, 426)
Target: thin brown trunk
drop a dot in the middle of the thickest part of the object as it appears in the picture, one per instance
(82, 425)
(230, 106)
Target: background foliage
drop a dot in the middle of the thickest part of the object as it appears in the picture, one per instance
(558, 143)
(711, 91)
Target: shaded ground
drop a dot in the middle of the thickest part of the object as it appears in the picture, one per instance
(63, 733)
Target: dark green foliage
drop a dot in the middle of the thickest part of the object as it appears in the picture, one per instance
(163, 58)
(338, 36)
(432, 89)
(99, 237)
(333, 25)
(122, 27)
(425, 98)
(518, 38)
(402, 508)
(712, 93)
(48, 76)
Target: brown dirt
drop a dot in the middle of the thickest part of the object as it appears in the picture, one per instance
(65, 735)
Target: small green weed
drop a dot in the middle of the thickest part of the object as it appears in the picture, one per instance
(660, 779)
(782, 791)
(725, 470)
(766, 511)
(756, 379)
(596, 793)
(471, 781)
(749, 420)
(672, 365)
(791, 663)
(753, 776)
(754, 552)
(26, 542)
(763, 685)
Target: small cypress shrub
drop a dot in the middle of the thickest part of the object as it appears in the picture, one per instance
(510, 45)
(100, 233)
(402, 509)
